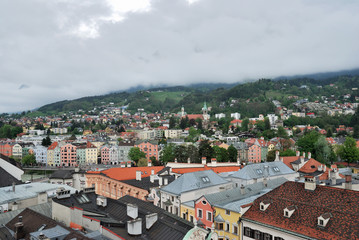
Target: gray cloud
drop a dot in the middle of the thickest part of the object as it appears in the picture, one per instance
(66, 49)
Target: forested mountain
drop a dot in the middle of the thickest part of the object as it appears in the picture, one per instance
(250, 99)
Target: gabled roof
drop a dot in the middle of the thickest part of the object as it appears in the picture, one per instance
(167, 226)
(33, 221)
(260, 170)
(127, 173)
(341, 203)
(6, 179)
(193, 181)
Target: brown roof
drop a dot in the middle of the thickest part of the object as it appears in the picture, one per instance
(33, 221)
(340, 203)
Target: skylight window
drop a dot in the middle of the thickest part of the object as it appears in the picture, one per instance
(205, 179)
(259, 171)
(276, 169)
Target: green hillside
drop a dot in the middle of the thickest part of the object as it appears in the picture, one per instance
(250, 99)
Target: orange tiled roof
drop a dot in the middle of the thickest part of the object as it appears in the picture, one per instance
(127, 173)
(53, 146)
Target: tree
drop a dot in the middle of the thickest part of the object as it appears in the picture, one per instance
(142, 162)
(244, 124)
(46, 141)
(205, 149)
(348, 151)
(271, 155)
(282, 133)
(167, 154)
(287, 153)
(28, 159)
(192, 152)
(172, 123)
(322, 150)
(266, 124)
(306, 143)
(330, 132)
(180, 153)
(154, 161)
(356, 131)
(221, 154)
(232, 153)
(135, 154)
(199, 124)
(184, 123)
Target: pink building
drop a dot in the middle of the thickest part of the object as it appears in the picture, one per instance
(148, 147)
(68, 155)
(204, 212)
(254, 153)
(105, 155)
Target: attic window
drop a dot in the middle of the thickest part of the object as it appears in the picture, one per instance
(324, 219)
(264, 205)
(276, 169)
(205, 179)
(288, 211)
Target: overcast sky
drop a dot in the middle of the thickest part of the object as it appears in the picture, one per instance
(53, 50)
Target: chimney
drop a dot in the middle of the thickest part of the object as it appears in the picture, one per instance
(152, 172)
(214, 162)
(134, 227)
(188, 160)
(101, 201)
(243, 189)
(265, 182)
(309, 155)
(277, 156)
(128, 163)
(333, 178)
(309, 183)
(152, 178)
(123, 164)
(42, 236)
(320, 168)
(303, 154)
(19, 229)
(77, 169)
(297, 153)
(151, 219)
(175, 160)
(132, 211)
(138, 175)
(325, 168)
(302, 158)
(204, 160)
(149, 163)
(348, 182)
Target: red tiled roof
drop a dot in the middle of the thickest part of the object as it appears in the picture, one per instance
(53, 146)
(194, 116)
(127, 173)
(340, 203)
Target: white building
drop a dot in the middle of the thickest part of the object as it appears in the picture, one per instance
(220, 115)
(236, 115)
(41, 154)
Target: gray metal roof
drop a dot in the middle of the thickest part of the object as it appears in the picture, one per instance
(52, 233)
(44, 209)
(233, 199)
(29, 190)
(260, 170)
(193, 181)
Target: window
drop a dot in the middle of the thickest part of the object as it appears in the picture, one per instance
(200, 213)
(276, 169)
(191, 218)
(205, 179)
(227, 227)
(235, 229)
(257, 234)
(219, 226)
(228, 212)
(184, 215)
(278, 238)
(248, 232)
(321, 222)
(259, 171)
(267, 236)
(209, 216)
(286, 213)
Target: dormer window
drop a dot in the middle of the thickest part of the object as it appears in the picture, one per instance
(288, 211)
(264, 205)
(324, 219)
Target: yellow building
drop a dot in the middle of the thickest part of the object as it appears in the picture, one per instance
(188, 211)
(226, 223)
(91, 152)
